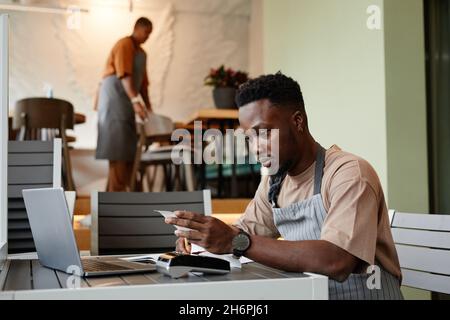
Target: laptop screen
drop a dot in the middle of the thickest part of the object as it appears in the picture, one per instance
(51, 226)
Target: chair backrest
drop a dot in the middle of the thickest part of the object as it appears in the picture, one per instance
(126, 223)
(423, 247)
(40, 113)
(157, 125)
(156, 128)
(31, 165)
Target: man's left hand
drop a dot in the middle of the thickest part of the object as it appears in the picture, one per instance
(207, 232)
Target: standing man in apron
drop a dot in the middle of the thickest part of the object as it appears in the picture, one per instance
(328, 205)
(123, 94)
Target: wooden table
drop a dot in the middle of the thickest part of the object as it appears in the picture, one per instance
(222, 119)
(80, 118)
(25, 278)
(210, 114)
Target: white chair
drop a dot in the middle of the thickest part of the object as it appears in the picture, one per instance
(155, 149)
(423, 247)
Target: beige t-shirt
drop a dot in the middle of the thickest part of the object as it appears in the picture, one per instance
(120, 60)
(357, 217)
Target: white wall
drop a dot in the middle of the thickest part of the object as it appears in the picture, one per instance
(406, 106)
(256, 39)
(190, 37)
(326, 46)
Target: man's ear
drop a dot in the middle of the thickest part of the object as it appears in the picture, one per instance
(299, 121)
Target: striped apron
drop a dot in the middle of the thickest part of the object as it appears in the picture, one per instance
(303, 221)
(117, 137)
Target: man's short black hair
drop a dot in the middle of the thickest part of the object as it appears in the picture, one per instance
(278, 88)
(143, 22)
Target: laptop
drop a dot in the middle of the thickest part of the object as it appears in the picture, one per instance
(55, 243)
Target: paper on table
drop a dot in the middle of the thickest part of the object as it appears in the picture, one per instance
(245, 260)
(196, 249)
(170, 214)
(154, 256)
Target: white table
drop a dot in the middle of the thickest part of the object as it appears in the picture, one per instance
(25, 278)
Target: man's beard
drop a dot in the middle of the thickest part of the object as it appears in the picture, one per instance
(276, 181)
(284, 168)
(281, 173)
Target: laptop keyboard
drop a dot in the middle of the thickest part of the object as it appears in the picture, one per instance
(91, 265)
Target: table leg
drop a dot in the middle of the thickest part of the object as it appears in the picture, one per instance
(220, 167)
(203, 175)
(234, 184)
(203, 165)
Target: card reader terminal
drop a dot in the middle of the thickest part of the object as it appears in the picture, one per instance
(177, 265)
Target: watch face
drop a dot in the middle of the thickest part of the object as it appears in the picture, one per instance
(241, 242)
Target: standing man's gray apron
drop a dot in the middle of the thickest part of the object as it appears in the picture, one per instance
(303, 221)
(117, 137)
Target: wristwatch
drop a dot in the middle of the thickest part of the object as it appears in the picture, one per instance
(241, 243)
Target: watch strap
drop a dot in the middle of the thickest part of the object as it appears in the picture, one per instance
(239, 253)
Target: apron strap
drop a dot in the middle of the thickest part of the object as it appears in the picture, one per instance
(320, 164)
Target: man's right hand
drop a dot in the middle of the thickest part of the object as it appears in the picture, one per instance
(181, 246)
(140, 110)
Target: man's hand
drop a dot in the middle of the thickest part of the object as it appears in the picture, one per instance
(207, 232)
(140, 110)
(181, 246)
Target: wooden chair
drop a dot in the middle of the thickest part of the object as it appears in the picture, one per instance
(158, 130)
(126, 223)
(45, 119)
(423, 247)
(31, 164)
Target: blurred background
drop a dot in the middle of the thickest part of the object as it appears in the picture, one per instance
(374, 73)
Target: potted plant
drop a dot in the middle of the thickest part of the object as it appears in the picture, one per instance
(225, 82)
